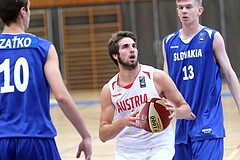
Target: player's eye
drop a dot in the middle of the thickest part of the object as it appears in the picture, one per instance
(180, 7)
(124, 46)
(188, 7)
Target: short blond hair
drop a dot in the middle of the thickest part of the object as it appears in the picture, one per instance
(199, 2)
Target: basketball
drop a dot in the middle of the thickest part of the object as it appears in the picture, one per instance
(153, 115)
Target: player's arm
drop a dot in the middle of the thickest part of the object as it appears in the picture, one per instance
(177, 105)
(109, 129)
(66, 102)
(165, 65)
(224, 62)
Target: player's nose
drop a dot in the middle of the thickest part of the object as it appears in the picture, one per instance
(132, 49)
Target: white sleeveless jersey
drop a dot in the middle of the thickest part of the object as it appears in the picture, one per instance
(128, 99)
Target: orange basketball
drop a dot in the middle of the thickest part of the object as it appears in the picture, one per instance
(153, 115)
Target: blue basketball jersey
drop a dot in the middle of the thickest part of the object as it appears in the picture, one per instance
(24, 90)
(192, 67)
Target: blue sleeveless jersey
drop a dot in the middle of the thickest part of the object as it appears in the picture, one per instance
(24, 90)
(197, 76)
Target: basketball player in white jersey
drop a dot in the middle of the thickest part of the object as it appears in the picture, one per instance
(123, 94)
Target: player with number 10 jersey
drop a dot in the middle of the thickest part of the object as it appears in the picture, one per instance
(21, 76)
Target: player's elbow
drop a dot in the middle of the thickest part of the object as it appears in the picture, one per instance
(61, 99)
(103, 135)
(102, 138)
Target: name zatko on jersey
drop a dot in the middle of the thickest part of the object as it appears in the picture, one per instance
(17, 42)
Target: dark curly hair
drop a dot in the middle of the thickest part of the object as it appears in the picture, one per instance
(113, 47)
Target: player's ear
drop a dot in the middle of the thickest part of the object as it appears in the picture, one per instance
(177, 11)
(115, 56)
(23, 12)
(200, 10)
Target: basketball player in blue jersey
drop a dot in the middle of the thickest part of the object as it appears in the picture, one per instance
(28, 69)
(122, 96)
(193, 57)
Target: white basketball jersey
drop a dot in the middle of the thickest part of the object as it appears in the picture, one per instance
(128, 99)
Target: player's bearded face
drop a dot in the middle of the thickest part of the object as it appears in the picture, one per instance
(128, 64)
(128, 53)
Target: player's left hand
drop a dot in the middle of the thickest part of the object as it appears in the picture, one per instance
(86, 147)
(170, 107)
(176, 111)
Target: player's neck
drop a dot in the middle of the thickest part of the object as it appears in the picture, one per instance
(13, 28)
(187, 32)
(126, 77)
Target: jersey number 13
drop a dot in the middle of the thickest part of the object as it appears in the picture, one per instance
(188, 72)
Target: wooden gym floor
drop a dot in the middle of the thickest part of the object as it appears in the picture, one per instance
(89, 106)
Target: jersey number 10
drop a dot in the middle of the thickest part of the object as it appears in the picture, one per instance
(21, 85)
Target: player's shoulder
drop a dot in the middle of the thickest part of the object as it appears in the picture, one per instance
(37, 38)
(206, 28)
(106, 90)
(210, 31)
(111, 83)
(105, 87)
(159, 74)
(171, 36)
(145, 67)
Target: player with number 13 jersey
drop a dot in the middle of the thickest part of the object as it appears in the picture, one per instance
(195, 63)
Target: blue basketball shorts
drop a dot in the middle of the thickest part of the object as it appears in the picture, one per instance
(211, 149)
(28, 149)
